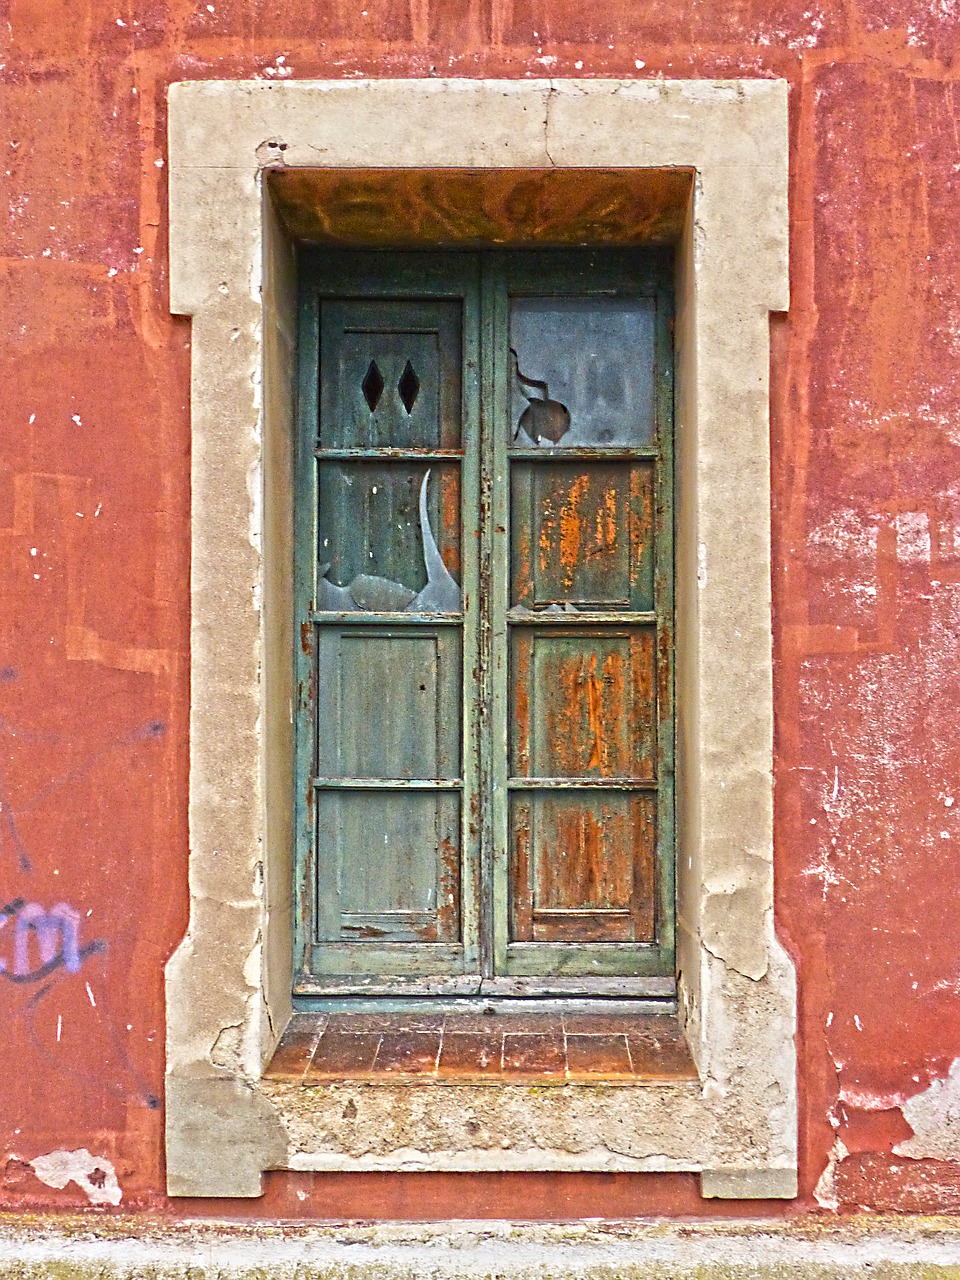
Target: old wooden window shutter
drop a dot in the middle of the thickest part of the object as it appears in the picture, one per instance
(485, 605)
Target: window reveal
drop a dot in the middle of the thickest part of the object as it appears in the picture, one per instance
(485, 569)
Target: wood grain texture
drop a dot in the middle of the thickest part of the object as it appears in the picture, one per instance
(412, 208)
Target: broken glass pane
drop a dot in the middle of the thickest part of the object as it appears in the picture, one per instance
(389, 538)
(581, 371)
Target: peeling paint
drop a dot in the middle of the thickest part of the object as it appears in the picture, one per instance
(934, 1117)
(825, 1192)
(94, 1175)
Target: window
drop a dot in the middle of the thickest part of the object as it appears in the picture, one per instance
(485, 559)
(699, 165)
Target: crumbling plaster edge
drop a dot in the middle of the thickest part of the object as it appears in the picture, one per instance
(201, 190)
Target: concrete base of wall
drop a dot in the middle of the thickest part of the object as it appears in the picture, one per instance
(117, 1248)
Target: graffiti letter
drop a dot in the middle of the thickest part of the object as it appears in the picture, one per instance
(57, 933)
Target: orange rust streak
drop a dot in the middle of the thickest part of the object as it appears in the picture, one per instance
(606, 526)
(571, 529)
(547, 525)
(594, 713)
(450, 523)
(522, 708)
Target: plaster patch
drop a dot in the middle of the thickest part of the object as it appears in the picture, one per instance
(825, 1192)
(913, 537)
(94, 1175)
(845, 534)
(934, 1117)
(867, 1099)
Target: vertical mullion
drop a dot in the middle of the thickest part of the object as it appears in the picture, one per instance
(664, 606)
(473, 701)
(305, 559)
(496, 333)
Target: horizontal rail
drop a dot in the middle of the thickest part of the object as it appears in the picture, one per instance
(581, 784)
(390, 455)
(361, 618)
(521, 617)
(602, 453)
(387, 784)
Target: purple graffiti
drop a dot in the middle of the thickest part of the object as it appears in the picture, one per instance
(58, 934)
(57, 931)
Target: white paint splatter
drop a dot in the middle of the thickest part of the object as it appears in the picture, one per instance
(95, 1176)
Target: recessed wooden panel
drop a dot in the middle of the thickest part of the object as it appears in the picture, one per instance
(388, 866)
(583, 705)
(375, 537)
(388, 704)
(582, 866)
(582, 535)
(390, 375)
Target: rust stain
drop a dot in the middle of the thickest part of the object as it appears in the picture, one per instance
(520, 887)
(571, 529)
(606, 525)
(521, 707)
(450, 521)
(447, 928)
(594, 696)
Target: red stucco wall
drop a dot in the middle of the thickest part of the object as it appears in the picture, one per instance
(94, 520)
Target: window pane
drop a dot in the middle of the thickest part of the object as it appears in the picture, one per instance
(582, 372)
(389, 537)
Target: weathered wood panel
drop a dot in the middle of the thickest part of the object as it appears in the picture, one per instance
(583, 705)
(582, 534)
(388, 703)
(583, 866)
(390, 870)
(391, 375)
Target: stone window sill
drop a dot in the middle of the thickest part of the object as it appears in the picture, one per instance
(468, 1048)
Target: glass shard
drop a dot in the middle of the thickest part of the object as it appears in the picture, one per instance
(408, 387)
(372, 386)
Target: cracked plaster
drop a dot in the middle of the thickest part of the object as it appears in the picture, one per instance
(934, 1117)
(228, 985)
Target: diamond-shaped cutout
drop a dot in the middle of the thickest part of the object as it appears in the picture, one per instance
(408, 387)
(372, 386)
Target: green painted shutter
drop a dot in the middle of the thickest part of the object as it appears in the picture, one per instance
(387, 846)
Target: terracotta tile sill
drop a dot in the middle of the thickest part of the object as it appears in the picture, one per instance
(474, 1049)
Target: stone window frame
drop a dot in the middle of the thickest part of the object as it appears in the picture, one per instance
(228, 985)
